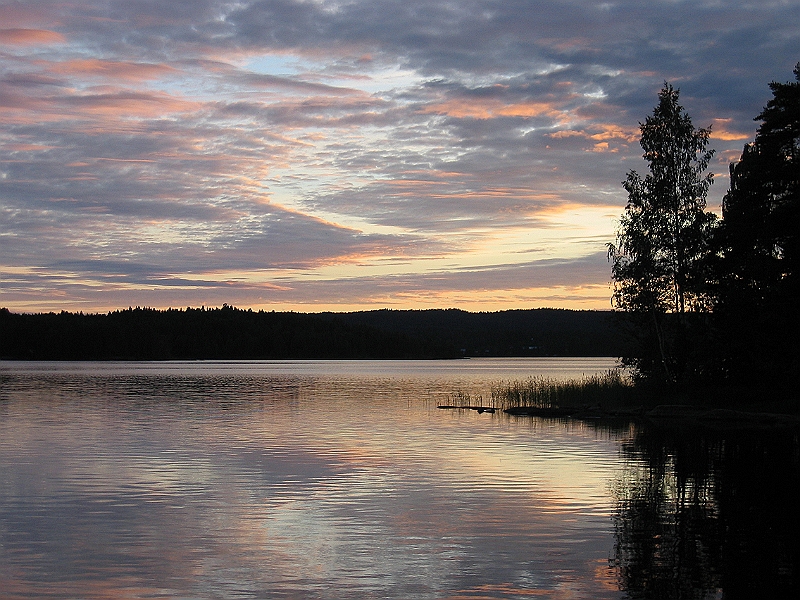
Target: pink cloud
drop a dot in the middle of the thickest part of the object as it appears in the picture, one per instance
(30, 37)
(111, 69)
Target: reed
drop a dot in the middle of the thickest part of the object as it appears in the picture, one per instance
(610, 388)
(463, 399)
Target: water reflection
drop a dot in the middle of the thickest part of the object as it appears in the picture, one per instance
(240, 483)
(123, 480)
(705, 513)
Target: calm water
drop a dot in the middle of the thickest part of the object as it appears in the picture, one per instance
(323, 479)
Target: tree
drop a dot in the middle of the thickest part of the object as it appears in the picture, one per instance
(758, 244)
(663, 238)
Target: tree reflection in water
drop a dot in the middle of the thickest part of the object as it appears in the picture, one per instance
(708, 513)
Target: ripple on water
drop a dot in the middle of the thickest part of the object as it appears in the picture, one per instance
(292, 480)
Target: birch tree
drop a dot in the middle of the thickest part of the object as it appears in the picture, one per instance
(664, 235)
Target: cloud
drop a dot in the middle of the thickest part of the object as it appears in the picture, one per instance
(225, 141)
(29, 37)
(111, 69)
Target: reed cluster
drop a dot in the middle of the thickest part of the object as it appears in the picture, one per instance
(610, 388)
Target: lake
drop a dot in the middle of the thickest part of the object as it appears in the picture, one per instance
(342, 479)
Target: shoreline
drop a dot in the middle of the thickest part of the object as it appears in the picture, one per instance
(663, 415)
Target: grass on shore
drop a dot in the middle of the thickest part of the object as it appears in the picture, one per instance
(612, 388)
(615, 390)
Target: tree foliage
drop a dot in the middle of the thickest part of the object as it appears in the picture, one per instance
(715, 301)
(663, 237)
(757, 243)
(760, 212)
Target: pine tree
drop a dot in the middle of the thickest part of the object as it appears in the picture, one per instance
(758, 243)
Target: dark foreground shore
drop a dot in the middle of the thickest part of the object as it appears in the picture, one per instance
(663, 414)
(667, 413)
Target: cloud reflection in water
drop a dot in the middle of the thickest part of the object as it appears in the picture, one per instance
(327, 485)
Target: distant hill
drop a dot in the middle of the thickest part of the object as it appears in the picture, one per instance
(536, 332)
(231, 333)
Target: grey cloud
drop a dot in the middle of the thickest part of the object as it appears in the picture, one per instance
(30, 80)
(202, 151)
(278, 239)
(307, 87)
(546, 273)
(487, 36)
(659, 40)
(586, 270)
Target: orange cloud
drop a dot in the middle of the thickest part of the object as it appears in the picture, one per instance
(720, 132)
(566, 133)
(608, 132)
(603, 147)
(614, 132)
(529, 109)
(488, 109)
(29, 37)
(603, 139)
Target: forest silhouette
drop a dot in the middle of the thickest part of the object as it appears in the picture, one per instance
(714, 301)
(232, 333)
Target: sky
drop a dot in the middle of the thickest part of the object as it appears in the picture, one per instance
(323, 155)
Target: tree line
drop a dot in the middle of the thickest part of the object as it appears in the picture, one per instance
(232, 333)
(714, 300)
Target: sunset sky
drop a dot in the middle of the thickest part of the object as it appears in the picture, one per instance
(345, 155)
